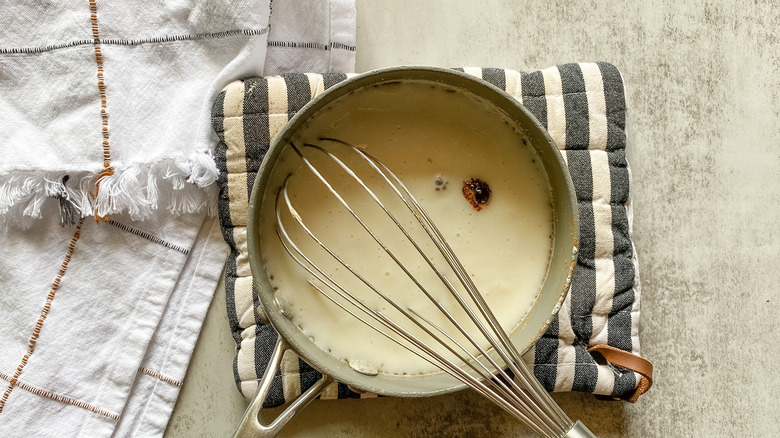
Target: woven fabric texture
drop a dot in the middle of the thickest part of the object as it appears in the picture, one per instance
(583, 108)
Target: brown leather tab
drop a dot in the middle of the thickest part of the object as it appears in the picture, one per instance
(629, 361)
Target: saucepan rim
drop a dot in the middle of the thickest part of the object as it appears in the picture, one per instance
(566, 229)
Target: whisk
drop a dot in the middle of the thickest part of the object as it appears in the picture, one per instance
(496, 370)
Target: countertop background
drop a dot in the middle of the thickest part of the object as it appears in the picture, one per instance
(703, 86)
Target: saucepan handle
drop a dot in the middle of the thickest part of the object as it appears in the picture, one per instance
(250, 426)
(579, 431)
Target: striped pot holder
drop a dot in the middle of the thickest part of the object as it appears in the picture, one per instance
(593, 344)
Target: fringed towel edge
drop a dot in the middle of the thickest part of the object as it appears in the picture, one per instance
(180, 186)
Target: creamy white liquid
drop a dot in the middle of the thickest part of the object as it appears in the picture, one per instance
(422, 132)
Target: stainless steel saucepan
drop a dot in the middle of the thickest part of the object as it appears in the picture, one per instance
(553, 291)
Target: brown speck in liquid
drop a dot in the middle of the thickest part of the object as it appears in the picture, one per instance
(440, 184)
(477, 193)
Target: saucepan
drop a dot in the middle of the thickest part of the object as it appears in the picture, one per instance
(545, 307)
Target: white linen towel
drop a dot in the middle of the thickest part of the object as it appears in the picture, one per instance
(107, 114)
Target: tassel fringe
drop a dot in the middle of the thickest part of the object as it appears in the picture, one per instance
(138, 190)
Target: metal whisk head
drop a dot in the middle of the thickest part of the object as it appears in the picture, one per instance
(472, 347)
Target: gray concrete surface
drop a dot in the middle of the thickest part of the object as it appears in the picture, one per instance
(704, 145)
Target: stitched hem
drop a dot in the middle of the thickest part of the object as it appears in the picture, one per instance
(149, 237)
(134, 42)
(180, 186)
(159, 376)
(311, 45)
(67, 400)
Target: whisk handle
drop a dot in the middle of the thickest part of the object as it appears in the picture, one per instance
(250, 425)
(579, 430)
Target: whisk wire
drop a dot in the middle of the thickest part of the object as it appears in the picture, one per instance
(513, 390)
(461, 301)
(520, 394)
(508, 353)
(322, 276)
(411, 203)
(433, 232)
(429, 226)
(431, 355)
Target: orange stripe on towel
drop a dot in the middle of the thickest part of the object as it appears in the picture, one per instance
(14, 381)
(108, 170)
(59, 398)
(159, 376)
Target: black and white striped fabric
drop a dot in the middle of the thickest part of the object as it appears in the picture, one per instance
(583, 108)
